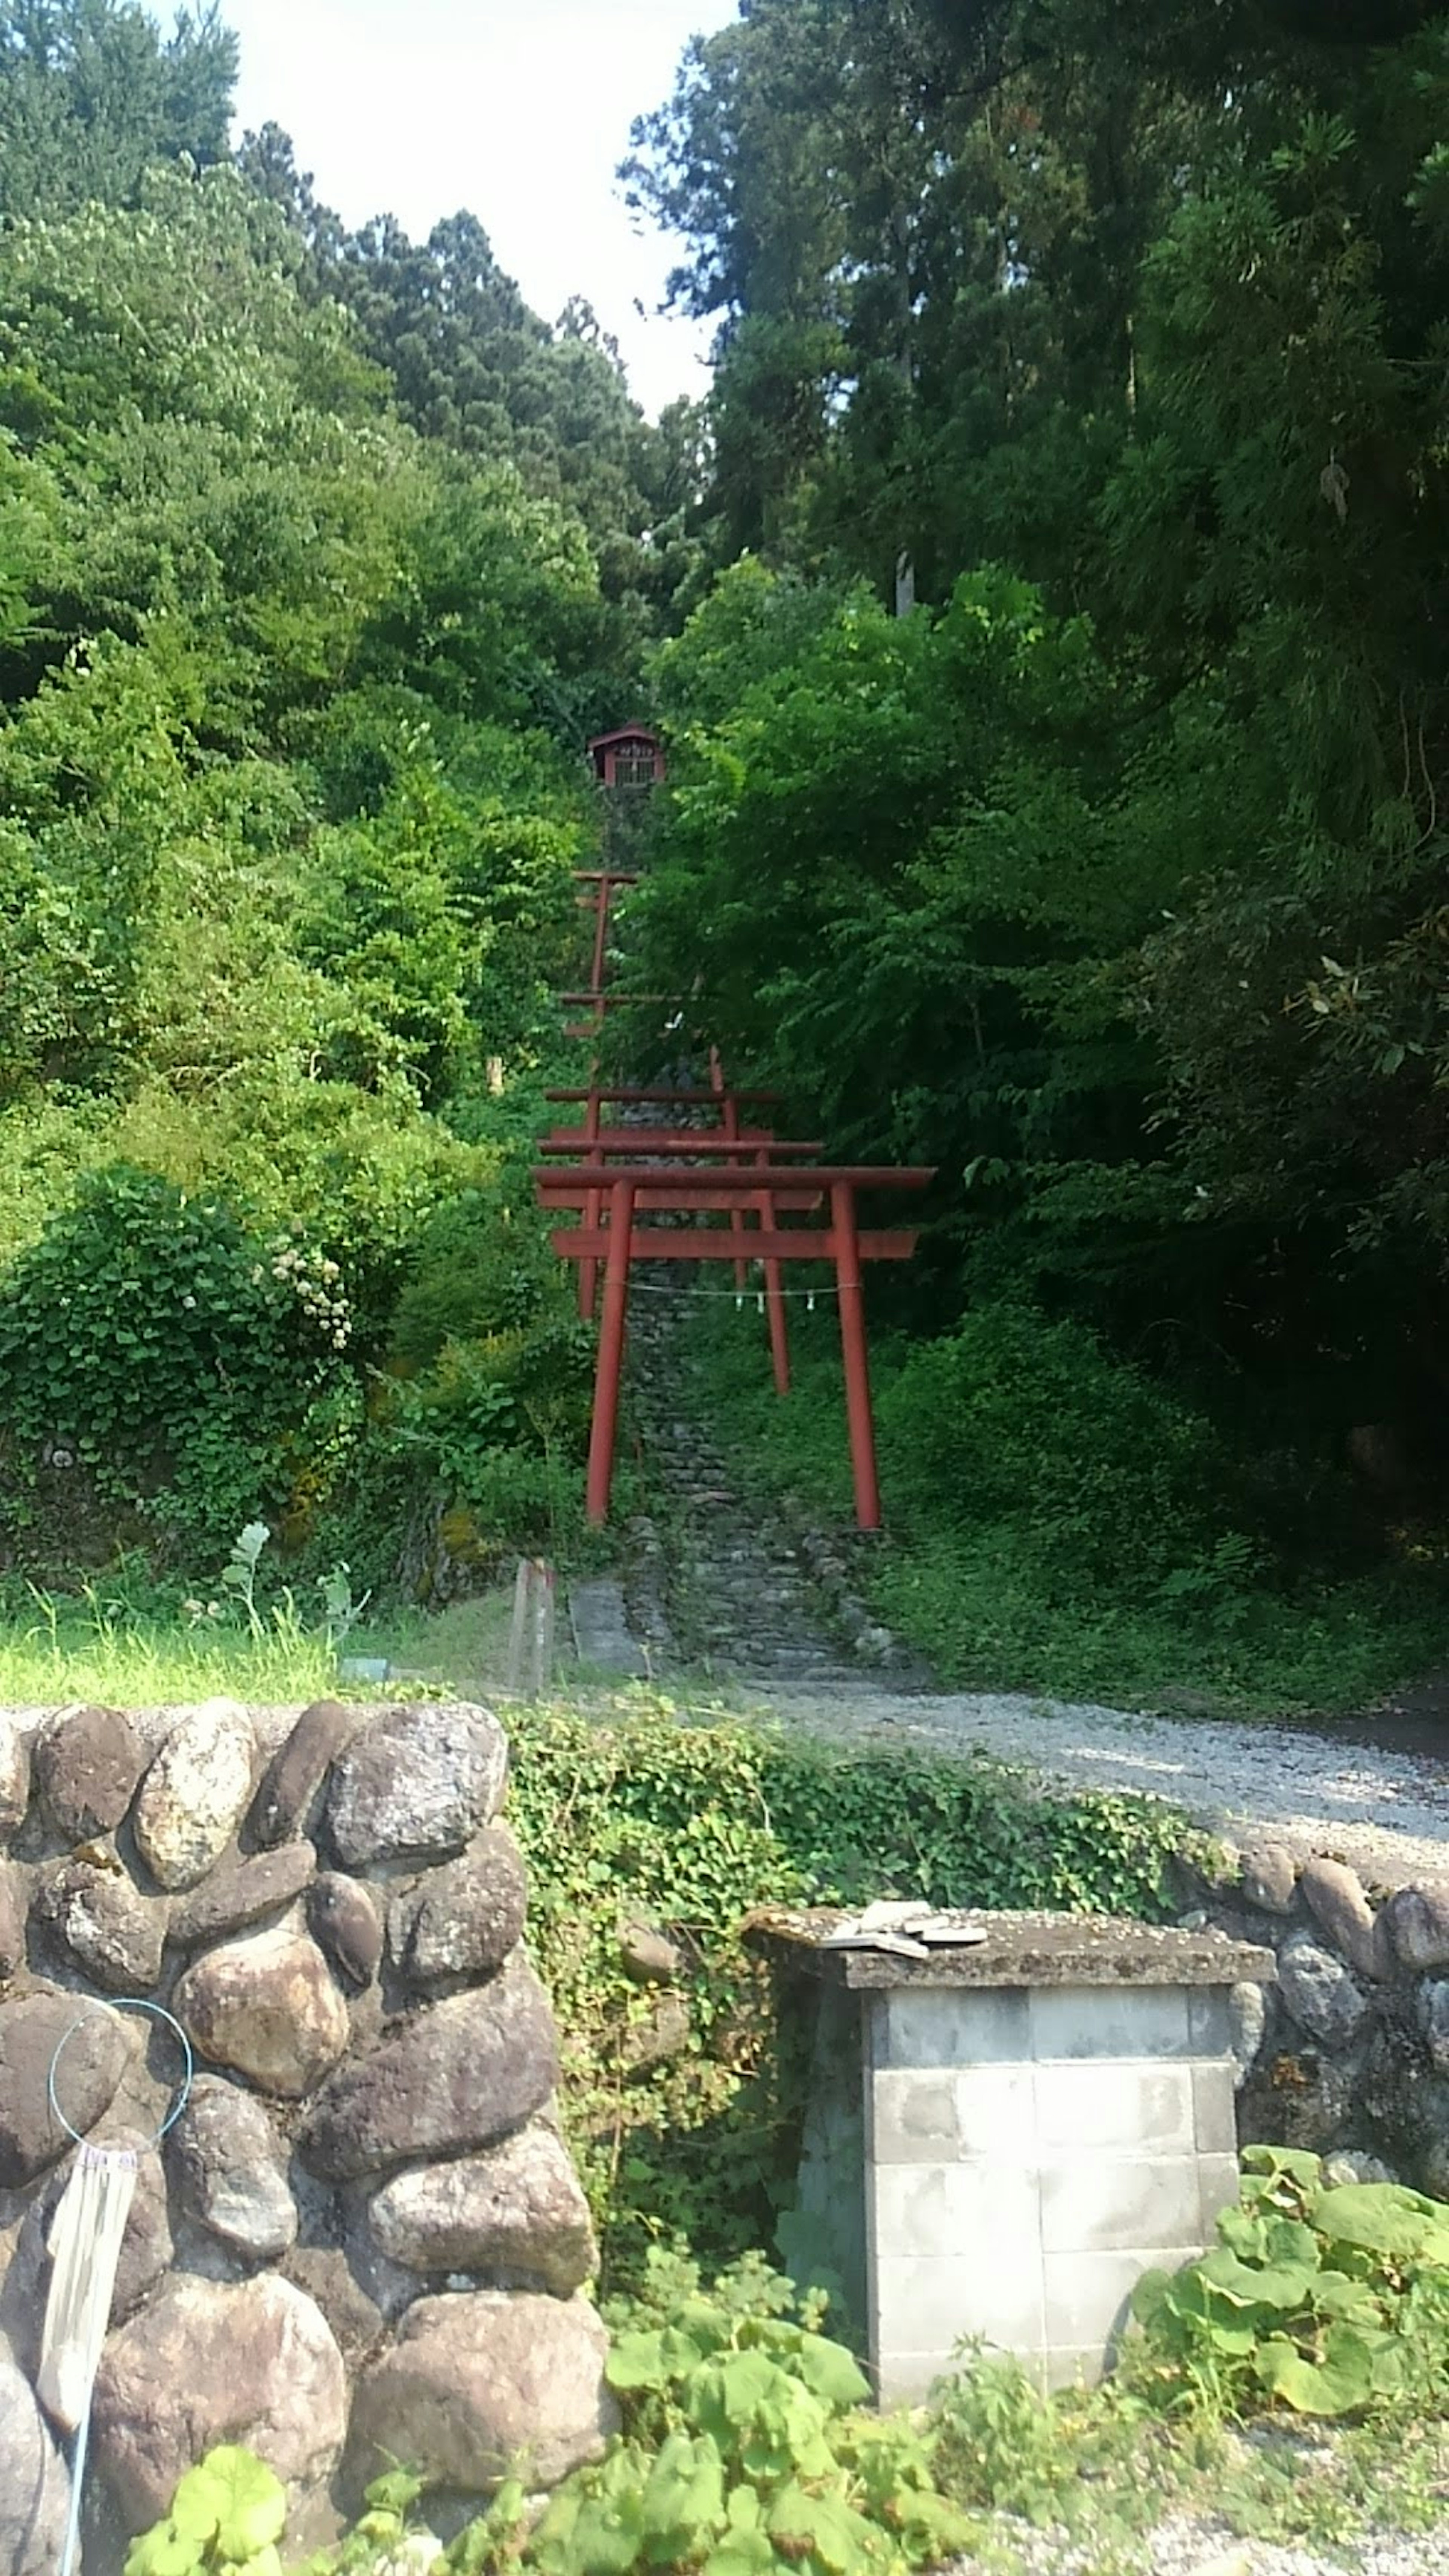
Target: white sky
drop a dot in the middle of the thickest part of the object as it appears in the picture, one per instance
(518, 110)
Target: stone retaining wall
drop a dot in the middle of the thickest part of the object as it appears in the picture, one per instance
(364, 2238)
(1348, 2053)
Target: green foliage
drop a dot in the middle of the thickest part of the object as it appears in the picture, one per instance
(742, 2452)
(154, 1346)
(229, 2511)
(1118, 897)
(695, 1828)
(999, 2443)
(1325, 2300)
(286, 833)
(478, 1267)
(372, 2544)
(1060, 1520)
(91, 92)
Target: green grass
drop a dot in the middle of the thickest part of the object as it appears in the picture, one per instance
(1081, 1536)
(65, 1650)
(100, 1646)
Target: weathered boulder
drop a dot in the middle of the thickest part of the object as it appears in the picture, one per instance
(462, 1920)
(357, 2322)
(241, 1892)
(34, 2486)
(297, 1771)
(649, 1956)
(230, 2173)
(87, 1764)
(95, 2059)
(457, 2075)
(1269, 1877)
(195, 1792)
(1303, 2098)
(517, 2209)
(1354, 2164)
(107, 1928)
(251, 2362)
(662, 2033)
(1324, 1999)
(14, 1775)
(1418, 1923)
(345, 1921)
(417, 1783)
(1433, 2014)
(1335, 1898)
(13, 1910)
(481, 2385)
(266, 2004)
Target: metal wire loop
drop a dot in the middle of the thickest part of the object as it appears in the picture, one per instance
(123, 2003)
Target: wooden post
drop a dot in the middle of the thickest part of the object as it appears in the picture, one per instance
(541, 1639)
(851, 1296)
(530, 1636)
(518, 1630)
(611, 1353)
(774, 1292)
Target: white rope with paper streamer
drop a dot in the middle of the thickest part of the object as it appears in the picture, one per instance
(85, 2248)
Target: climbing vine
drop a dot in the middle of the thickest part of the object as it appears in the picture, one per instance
(684, 2101)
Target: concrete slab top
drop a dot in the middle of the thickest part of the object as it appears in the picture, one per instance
(1019, 1950)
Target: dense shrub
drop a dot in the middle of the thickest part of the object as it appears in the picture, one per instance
(1058, 1519)
(167, 1353)
(1013, 1417)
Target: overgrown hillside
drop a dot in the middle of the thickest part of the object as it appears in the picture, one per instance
(1107, 877)
(1111, 879)
(295, 688)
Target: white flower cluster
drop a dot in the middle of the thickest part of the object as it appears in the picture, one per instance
(317, 1286)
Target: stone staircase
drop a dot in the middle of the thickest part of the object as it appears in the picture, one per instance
(715, 1584)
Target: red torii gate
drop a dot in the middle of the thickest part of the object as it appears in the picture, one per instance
(720, 1097)
(752, 1173)
(757, 1145)
(635, 1187)
(600, 904)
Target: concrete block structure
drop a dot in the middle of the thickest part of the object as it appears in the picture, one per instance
(1000, 2140)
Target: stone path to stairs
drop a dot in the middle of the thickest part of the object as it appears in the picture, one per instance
(716, 1589)
(720, 1600)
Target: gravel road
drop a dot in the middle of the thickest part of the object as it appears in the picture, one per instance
(1385, 1812)
(1184, 2547)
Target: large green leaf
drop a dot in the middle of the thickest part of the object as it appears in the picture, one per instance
(825, 2525)
(1384, 2218)
(742, 2553)
(683, 2503)
(831, 2372)
(1336, 2386)
(1284, 2286)
(233, 2501)
(607, 2535)
(651, 2360)
(162, 2552)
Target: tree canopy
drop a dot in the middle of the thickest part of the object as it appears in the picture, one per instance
(1113, 879)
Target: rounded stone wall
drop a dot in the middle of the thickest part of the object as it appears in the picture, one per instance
(1347, 2053)
(363, 2240)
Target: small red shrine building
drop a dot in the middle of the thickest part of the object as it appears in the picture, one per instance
(631, 757)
